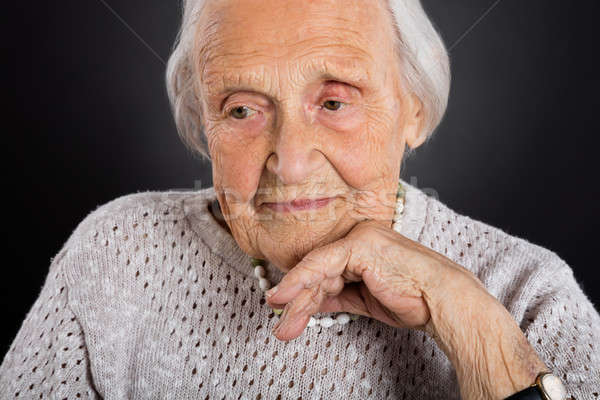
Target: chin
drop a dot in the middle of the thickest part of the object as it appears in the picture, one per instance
(286, 242)
(284, 238)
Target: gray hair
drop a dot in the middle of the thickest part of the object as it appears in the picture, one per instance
(423, 60)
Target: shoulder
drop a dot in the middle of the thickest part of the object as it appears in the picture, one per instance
(131, 252)
(460, 235)
(128, 219)
(511, 267)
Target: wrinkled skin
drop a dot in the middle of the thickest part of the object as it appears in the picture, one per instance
(303, 99)
(290, 145)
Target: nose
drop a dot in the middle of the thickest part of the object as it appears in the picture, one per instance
(296, 156)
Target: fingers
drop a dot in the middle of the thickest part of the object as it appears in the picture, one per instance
(314, 269)
(297, 313)
(329, 287)
(304, 288)
(348, 300)
(356, 298)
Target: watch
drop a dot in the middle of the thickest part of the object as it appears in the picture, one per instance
(546, 387)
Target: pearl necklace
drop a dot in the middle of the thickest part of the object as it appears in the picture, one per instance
(342, 318)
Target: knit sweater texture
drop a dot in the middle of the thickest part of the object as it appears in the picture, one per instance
(150, 298)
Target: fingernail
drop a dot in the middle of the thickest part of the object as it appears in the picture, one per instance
(271, 291)
(274, 330)
(279, 323)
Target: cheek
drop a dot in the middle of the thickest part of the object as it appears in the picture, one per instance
(237, 163)
(367, 153)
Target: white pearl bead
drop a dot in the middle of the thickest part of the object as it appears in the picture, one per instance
(312, 322)
(264, 284)
(343, 318)
(259, 271)
(326, 322)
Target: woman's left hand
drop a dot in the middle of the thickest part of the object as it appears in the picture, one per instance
(390, 279)
(377, 272)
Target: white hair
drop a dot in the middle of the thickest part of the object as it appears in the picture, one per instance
(423, 59)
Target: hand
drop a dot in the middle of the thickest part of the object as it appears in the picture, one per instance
(377, 272)
(389, 277)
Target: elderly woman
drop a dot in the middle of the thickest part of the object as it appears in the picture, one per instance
(305, 109)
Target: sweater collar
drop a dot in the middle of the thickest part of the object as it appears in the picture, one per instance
(195, 207)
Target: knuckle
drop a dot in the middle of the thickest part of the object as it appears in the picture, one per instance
(334, 287)
(310, 272)
(313, 300)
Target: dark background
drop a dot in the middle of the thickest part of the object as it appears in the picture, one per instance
(86, 120)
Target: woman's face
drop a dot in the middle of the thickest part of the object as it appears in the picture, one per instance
(302, 100)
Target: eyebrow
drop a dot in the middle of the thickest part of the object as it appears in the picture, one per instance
(356, 73)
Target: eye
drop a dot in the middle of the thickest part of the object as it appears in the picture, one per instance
(332, 105)
(240, 112)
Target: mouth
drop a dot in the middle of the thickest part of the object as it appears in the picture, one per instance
(298, 204)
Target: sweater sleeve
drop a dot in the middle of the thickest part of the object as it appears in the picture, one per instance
(48, 358)
(564, 328)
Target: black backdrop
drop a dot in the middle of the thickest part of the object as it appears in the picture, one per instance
(86, 120)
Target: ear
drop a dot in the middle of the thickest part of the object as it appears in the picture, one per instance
(414, 115)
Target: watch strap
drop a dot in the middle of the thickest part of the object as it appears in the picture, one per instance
(531, 393)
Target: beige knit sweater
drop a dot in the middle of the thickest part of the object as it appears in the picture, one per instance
(150, 298)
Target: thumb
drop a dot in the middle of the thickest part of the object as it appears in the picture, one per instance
(407, 311)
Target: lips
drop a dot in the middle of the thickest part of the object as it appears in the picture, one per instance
(298, 204)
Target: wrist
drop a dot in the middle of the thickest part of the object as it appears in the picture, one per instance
(490, 354)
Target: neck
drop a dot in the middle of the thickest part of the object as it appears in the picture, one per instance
(215, 210)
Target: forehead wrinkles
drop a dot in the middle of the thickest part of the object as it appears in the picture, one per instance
(301, 63)
(274, 78)
(333, 58)
(233, 51)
